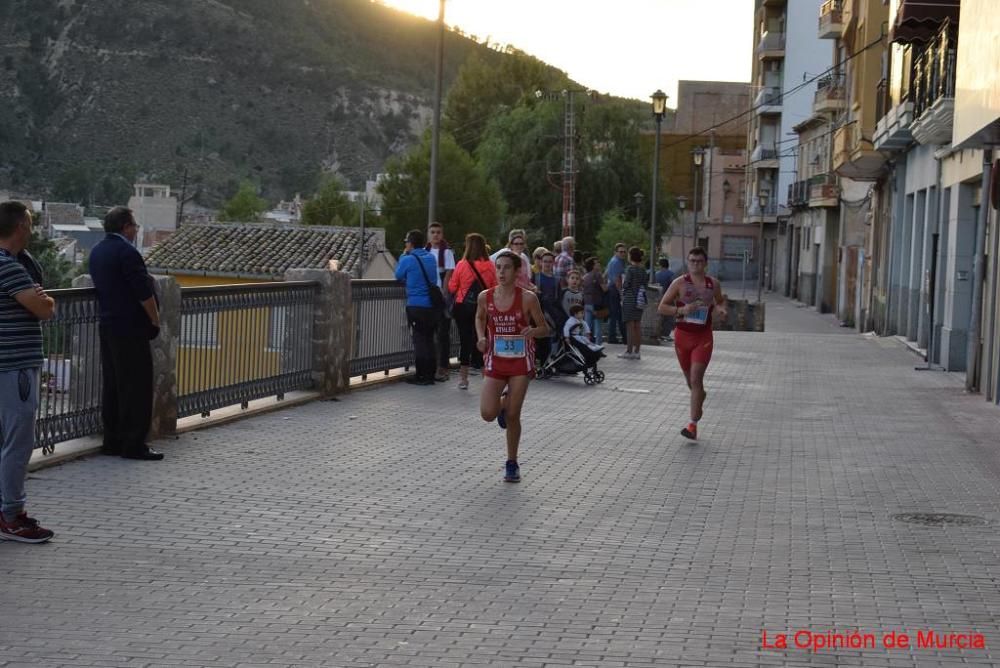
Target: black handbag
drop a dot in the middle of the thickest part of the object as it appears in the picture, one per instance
(477, 286)
(437, 297)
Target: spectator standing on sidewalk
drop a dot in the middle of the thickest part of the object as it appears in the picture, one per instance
(564, 262)
(129, 320)
(595, 288)
(474, 273)
(633, 291)
(664, 277)
(23, 303)
(444, 257)
(614, 273)
(416, 269)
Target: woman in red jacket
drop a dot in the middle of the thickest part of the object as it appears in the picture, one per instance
(473, 274)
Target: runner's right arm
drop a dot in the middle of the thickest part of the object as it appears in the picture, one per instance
(481, 322)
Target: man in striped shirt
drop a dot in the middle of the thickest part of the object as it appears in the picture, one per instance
(23, 303)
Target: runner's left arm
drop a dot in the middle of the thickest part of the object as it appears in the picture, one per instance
(534, 309)
(481, 322)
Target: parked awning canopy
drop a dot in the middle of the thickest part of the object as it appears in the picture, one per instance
(918, 20)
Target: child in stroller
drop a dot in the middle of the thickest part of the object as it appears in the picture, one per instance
(574, 352)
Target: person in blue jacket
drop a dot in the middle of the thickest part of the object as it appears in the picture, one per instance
(418, 270)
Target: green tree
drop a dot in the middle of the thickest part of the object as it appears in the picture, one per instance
(245, 206)
(523, 151)
(467, 201)
(330, 206)
(617, 227)
(57, 271)
(484, 89)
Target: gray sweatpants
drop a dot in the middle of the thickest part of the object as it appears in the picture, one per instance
(18, 402)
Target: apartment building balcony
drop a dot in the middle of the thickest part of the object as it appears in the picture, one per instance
(773, 3)
(768, 101)
(763, 214)
(854, 157)
(831, 94)
(934, 88)
(764, 158)
(771, 45)
(831, 19)
(892, 131)
(824, 191)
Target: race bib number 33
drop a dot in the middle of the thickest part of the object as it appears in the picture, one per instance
(509, 346)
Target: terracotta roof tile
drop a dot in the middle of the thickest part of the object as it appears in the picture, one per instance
(260, 250)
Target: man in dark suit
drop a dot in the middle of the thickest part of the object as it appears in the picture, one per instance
(129, 319)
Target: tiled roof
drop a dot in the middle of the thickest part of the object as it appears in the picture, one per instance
(263, 251)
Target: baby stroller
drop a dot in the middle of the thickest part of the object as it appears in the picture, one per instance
(570, 357)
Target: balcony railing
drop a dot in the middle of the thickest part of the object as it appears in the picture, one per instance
(771, 41)
(798, 194)
(761, 154)
(882, 100)
(831, 94)
(70, 399)
(243, 342)
(934, 70)
(831, 19)
(769, 96)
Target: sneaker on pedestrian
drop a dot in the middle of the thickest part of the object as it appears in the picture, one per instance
(636, 356)
(625, 356)
(23, 529)
(512, 472)
(690, 431)
(463, 384)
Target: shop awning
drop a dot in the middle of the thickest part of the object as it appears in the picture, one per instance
(918, 20)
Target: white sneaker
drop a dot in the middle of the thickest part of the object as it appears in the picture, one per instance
(636, 356)
(624, 356)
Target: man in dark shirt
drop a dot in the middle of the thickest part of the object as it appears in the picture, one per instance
(129, 319)
(22, 304)
(665, 277)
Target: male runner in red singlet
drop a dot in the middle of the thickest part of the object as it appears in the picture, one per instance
(508, 320)
(693, 298)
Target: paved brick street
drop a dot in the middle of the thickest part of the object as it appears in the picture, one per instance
(375, 530)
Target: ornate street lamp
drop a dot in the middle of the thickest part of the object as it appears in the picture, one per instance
(682, 204)
(697, 156)
(659, 109)
(762, 198)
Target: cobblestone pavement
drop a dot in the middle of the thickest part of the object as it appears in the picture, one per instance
(375, 530)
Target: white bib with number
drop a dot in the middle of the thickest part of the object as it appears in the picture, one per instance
(509, 346)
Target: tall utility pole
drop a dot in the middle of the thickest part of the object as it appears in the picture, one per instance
(569, 175)
(436, 127)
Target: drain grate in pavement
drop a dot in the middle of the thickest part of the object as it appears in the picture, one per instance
(941, 519)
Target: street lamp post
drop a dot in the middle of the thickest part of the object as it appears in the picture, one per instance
(436, 122)
(659, 109)
(682, 204)
(762, 198)
(697, 155)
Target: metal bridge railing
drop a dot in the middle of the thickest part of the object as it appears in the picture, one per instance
(381, 331)
(69, 404)
(243, 342)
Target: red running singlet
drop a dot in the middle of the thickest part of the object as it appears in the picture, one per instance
(508, 352)
(704, 297)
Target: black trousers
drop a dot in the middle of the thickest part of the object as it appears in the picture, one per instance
(443, 341)
(465, 318)
(127, 393)
(423, 324)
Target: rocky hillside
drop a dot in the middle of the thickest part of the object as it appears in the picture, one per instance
(96, 93)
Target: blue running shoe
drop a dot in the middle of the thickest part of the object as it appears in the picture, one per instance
(513, 472)
(502, 418)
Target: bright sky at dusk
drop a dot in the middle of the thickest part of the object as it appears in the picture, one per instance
(624, 47)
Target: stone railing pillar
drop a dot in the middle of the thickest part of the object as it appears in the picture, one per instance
(164, 351)
(332, 332)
